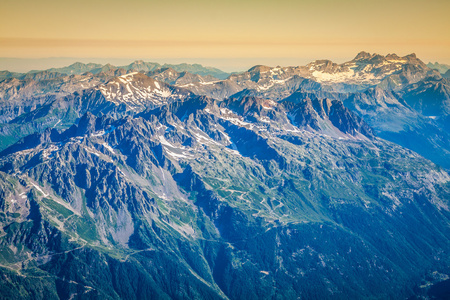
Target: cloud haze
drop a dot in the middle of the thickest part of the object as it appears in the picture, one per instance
(224, 29)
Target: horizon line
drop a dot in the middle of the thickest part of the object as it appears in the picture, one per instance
(203, 61)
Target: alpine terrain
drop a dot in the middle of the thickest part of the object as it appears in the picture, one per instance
(149, 181)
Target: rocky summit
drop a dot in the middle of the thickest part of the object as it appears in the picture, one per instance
(324, 181)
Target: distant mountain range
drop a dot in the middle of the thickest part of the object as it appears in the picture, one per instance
(324, 181)
(139, 65)
(442, 68)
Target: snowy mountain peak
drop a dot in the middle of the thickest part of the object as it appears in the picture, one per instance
(369, 69)
(138, 90)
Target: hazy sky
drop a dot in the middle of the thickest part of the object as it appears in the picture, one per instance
(229, 34)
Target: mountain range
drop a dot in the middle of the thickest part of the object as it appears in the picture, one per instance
(442, 68)
(324, 181)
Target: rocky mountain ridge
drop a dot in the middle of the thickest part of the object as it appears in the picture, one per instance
(147, 182)
(23, 96)
(138, 90)
(218, 192)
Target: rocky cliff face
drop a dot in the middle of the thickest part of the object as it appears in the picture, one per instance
(430, 97)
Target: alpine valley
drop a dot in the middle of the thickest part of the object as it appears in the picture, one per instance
(149, 181)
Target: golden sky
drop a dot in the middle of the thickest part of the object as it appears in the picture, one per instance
(175, 29)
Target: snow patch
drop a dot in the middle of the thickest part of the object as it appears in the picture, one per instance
(39, 189)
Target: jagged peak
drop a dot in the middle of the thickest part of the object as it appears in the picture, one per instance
(390, 56)
(363, 55)
(366, 56)
(259, 68)
(412, 56)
